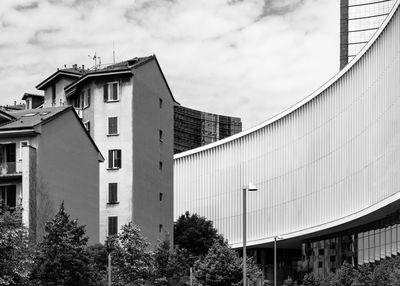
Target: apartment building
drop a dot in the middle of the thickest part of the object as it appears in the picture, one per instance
(128, 110)
(47, 157)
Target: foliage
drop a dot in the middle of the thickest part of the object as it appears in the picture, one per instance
(289, 282)
(194, 233)
(223, 266)
(99, 259)
(133, 263)
(16, 256)
(62, 258)
(170, 264)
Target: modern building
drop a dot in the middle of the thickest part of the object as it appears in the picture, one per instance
(359, 20)
(194, 128)
(128, 110)
(46, 158)
(327, 170)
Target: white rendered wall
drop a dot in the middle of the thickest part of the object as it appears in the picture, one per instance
(327, 159)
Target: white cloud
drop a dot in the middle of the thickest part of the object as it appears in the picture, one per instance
(247, 58)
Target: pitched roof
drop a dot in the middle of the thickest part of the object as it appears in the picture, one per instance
(26, 94)
(29, 118)
(72, 72)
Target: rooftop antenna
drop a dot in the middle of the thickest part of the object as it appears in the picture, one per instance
(113, 53)
(95, 57)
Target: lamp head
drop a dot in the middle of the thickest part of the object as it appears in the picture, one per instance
(252, 188)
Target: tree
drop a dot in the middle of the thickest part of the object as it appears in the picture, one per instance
(223, 266)
(16, 256)
(133, 263)
(194, 233)
(62, 258)
(170, 264)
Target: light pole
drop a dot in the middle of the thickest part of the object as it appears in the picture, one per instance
(275, 239)
(109, 247)
(250, 188)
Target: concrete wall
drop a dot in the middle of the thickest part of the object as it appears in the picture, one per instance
(148, 151)
(68, 170)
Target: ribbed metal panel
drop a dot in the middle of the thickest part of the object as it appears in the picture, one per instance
(333, 155)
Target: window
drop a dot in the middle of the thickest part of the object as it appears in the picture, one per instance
(160, 102)
(112, 125)
(114, 159)
(83, 99)
(161, 197)
(22, 144)
(87, 125)
(111, 91)
(8, 195)
(53, 95)
(160, 165)
(160, 135)
(112, 193)
(160, 228)
(112, 225)
(86, 97)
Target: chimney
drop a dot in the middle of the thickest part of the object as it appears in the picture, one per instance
(83, 67)
(75, 66)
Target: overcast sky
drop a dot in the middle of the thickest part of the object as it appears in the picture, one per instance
(245, 58)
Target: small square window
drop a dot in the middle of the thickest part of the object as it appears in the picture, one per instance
(113, 125)
(113, 193)
(112, 225)
(114, 159)
(160, 135)
(160, 228)
(161, 197)
(160, 165)
(320, 264)
(160, 102)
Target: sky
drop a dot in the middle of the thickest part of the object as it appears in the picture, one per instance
(244, 58)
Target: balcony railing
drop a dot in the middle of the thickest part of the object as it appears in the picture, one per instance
(10, 168)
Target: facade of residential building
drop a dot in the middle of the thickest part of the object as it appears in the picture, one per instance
(327, 171)
(194, 128)
(46, 158)
(359, 20)
(128, 110)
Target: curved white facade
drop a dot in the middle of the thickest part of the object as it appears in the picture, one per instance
(330, 159)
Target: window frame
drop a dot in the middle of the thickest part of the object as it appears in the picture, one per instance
(112, 202)
(112, 159)
(85, 98)
(112, 225)
(109, 91)
(108, 126)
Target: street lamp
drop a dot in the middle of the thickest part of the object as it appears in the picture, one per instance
(275, 239)
(109, 247)
(250, 188)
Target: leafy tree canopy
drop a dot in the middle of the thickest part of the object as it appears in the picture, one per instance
(62, 258)
(195, 233)
(223, 266)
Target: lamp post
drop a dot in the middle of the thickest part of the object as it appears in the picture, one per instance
(250, 188)
(275, 239)
(109, 247)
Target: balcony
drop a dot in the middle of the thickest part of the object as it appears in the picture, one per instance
(10, 169)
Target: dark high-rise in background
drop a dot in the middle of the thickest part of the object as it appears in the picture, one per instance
(359, 20)
(194, 128)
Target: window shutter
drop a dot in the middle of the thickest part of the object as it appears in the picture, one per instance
(115, 91)
(110, 159)
(105, 92)
(88, 97)
(119, 158)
